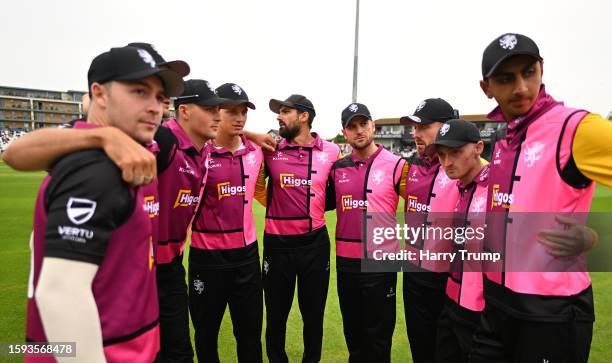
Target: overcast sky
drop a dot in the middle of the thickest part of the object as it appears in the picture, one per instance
(408, 50)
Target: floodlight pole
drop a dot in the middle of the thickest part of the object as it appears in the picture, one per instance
(356, 55)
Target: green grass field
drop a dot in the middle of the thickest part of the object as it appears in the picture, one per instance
(18, 193)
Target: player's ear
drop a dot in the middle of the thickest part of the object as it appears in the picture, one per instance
(478, 148)
(484, 86)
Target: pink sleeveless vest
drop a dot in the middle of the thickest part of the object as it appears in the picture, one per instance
(527, 180)
(431, 198)
(464, 286)
(225, 217)
(365, 188)
(296, 186)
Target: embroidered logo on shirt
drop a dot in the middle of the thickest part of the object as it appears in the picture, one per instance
(533, 153)
(323, 157)
(343, 178)
(250, 158)
(186, 169)
(497, 161)
(279, 156)
(479, 205)
(378, 176)
(443, 181)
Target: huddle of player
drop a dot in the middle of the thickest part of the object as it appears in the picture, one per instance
(123, 190)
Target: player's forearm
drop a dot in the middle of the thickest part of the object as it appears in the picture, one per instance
(67, 308)
(38, 150)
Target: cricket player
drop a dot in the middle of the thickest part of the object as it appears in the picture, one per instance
(459, 148)
(541, 315)
(296, 242)
(224, 264)
(430, 194)
(363, 183)
(93, 236)
(181, 171)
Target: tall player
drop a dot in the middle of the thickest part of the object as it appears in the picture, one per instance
(296, 242)
(540, 315)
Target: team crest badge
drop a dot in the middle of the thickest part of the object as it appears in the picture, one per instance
(147, 57)
(508, 41)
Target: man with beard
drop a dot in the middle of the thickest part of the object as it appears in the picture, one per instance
(365, 186)
(224, 256)
(296, 242)
(429, 194)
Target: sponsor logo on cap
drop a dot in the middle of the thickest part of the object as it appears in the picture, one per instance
(146, 57)
(353, 108)
(237, 90)
(444, 129)
(508, 41)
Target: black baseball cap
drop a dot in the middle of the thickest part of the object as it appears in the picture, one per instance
(353, 110)
(456, 133)
(431, 110)
(298, 102)
(132, 64)
(179, 66)
(506, 46)
(235, 93)
(200, 92)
